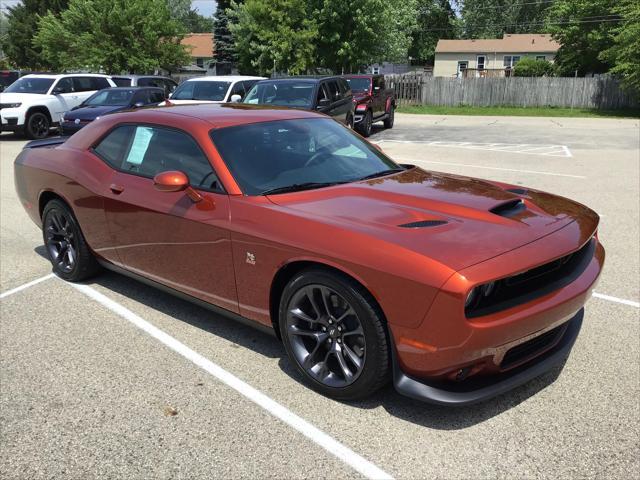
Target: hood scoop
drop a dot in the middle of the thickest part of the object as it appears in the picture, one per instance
(508, 209)
(423, 224)
(518, 191)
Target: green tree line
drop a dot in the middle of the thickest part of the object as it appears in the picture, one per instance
(314, 36)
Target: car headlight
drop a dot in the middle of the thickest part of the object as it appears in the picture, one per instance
(471, 298)
(11, 105)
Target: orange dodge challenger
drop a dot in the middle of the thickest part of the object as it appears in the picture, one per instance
(454, 288)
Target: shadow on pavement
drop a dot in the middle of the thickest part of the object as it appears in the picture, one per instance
(427, 415)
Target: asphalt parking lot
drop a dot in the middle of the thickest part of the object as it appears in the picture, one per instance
(117, 380)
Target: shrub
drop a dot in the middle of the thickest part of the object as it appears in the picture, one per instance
(530, 67)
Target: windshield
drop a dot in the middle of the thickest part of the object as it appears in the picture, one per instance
(287, 94)
(195, 90)
(359, 84)
(109, 97)
(271, 155)
(30, 85)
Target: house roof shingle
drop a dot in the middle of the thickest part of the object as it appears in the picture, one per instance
(509, 43)
(200, 44)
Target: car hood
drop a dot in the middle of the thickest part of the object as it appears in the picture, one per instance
(15, 97)
(90, 113)
(461, 221)
(360, 97)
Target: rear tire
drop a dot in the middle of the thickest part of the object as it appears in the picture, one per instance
(37, 126)
(334, 334)
(388, 122)
(66, 247)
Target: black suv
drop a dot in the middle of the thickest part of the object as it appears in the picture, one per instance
(329, 95)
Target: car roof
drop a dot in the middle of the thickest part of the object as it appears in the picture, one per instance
(140, 76)
(301, 78)
(223, 78)
(61, 75)
(221, 115)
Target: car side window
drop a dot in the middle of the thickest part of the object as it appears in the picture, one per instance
(141, 97)
(146, 151)
(334, 91)
(169, 86)
(64, 85)
(98, 83)
(344, 88)
(121, 81)
(82, 84)
(322, 93)
(238, 89)
(113, 147)
(156, 96)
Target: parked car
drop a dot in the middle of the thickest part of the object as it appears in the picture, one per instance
(34, 103)
(166, 83)
(328, 95)
(374, 102)
(457, 288)
(7, 77)
(107, 101)
(213, 89)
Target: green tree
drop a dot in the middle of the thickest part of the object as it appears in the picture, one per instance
(356, 33)
(22, 26)
(585, 29)
(112, 35)
(273, 36)
(493, 18)
(530, 67)
(436, 19)
(625, 52)
(225, 50)
(192, 21)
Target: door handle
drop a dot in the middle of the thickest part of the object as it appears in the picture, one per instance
(117, 189)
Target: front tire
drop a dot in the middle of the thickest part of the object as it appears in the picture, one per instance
(334, 334)
(366, 124)
(66, 247)
(37, 126)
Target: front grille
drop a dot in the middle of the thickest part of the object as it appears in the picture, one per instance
(534, 283)
(532, 348)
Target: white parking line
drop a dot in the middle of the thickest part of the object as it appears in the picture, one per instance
(617, 300)
(26, 285)
(314, 434)
(524, 148)
(492, 168)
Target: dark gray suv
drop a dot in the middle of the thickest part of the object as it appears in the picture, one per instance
(329, 95)
(166, 83)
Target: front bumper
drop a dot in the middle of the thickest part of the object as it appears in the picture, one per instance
(483, 388)
(12, 119)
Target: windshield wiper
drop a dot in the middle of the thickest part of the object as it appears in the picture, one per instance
(296, 187)
(381, 173)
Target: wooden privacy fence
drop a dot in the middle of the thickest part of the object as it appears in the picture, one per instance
(598, 92)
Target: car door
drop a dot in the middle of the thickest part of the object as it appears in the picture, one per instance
(67, 98)
(323, 99)
(339, 108)
(84, 87)
(166, 236)
(377, 103)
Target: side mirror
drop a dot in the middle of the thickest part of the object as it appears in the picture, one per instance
(171, 181)
(324, 103)
(57, 91)
(235, 98)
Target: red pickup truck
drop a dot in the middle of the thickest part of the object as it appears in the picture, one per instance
(374, 102)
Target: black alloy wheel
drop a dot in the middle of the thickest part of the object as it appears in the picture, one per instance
(38, 125)
(66, 248)
(334, 334)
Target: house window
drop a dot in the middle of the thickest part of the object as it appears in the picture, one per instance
(511, 60)
(482, 60)
(375, 70)
(462, 66)
(200, 62)
(541, 57)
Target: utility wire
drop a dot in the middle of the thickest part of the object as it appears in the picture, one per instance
(529, 24)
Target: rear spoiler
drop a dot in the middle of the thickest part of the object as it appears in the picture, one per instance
(47, 142)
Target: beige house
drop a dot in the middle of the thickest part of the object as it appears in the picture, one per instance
(200, 47)
(490, 57)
